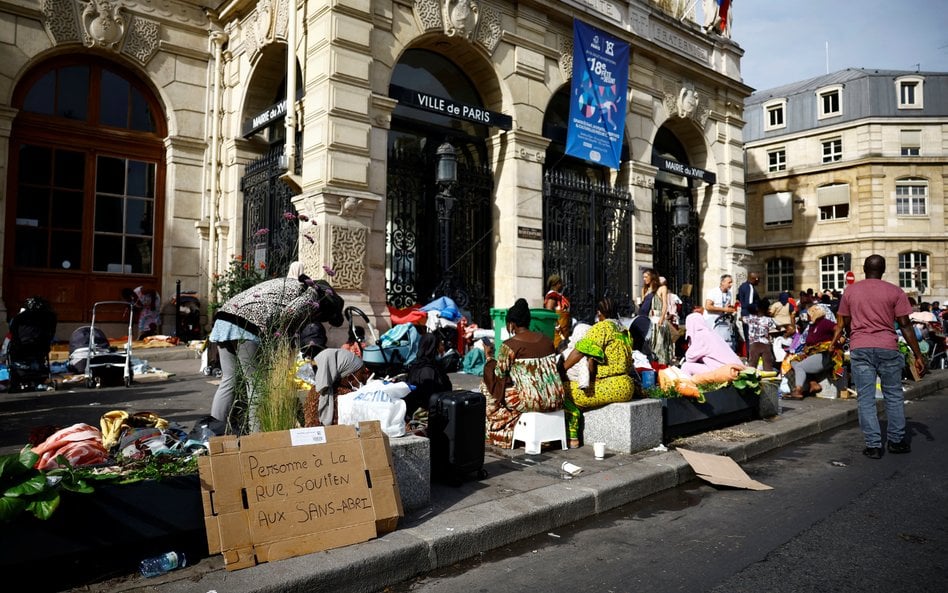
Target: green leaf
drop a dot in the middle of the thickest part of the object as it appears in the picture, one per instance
(44, 506)
(33, 486)
(10, 508)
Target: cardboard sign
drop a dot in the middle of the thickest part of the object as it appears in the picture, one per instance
(269, 496)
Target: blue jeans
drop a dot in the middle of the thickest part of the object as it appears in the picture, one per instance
(866, 364)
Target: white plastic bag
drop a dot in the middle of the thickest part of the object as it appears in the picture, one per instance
(376, 400)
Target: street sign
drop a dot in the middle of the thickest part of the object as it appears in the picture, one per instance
(850, 278)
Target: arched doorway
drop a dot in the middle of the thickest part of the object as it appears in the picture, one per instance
(270, 227)
(413, 266)
(587, 223)
(86, 186)
(674, 234)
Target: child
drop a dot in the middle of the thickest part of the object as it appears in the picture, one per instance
(759, 327)
(783, 342)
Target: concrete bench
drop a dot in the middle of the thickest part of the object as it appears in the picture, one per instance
(411, 461)
(625, 427)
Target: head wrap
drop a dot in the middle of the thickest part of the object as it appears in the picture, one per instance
(519, 314)
(815, 312)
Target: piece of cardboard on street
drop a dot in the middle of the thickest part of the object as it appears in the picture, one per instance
(274, 495)
(720, 470)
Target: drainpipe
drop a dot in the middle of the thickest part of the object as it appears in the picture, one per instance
(289, 151)
(218, 38)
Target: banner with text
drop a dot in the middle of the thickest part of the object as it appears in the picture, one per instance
(598, 96)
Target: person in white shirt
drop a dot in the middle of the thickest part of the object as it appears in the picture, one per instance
(719, 311)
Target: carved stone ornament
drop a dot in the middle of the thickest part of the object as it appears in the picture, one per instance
(469, 19)
(686, 103)
(267, 23)
(348, 256)
(348, 206)
(103, 23)
(566, 58)
(62, 20)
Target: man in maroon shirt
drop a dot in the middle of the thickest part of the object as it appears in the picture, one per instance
(868, 312)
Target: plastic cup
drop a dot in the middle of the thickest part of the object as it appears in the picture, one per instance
(571, 469)
(599, 450)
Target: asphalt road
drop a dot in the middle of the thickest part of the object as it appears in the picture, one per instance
(834, 521)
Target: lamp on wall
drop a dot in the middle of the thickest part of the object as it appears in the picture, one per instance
(681, 212)
(446, 177)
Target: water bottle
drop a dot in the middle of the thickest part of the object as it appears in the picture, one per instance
(158, 565)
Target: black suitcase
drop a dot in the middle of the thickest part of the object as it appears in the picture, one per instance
(456, 431)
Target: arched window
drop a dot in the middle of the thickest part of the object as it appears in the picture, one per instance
(86, 176)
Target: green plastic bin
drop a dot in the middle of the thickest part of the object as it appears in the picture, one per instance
(541, 320)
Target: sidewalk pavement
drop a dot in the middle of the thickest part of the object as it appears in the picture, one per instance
(523, 495)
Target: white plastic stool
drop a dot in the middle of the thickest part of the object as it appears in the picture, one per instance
(536, 428)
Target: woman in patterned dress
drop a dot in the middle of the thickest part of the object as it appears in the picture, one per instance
(607, 349)
(523, 378)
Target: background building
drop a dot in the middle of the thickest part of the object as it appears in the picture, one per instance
(843, 166)
(147, 143)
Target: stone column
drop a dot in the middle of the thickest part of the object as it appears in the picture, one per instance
(342, 222)
(518, 257)
(6, 124)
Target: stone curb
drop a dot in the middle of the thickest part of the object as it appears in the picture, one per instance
(453, 536)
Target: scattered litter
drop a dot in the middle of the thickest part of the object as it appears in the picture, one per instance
(839, 464)
(425, 514)
(449, 528)
(907, 402)
(569, 468)
(535, 551)
(553, 535)
(660, 448)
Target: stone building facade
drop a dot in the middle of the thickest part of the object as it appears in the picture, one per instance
(144, 143)
(843, 166)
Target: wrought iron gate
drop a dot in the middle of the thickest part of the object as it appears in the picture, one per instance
(675, 250)
(271, 231)
(412, 264)
(587, 240)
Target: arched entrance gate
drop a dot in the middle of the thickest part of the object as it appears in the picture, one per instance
(419, 208)
(587, 224)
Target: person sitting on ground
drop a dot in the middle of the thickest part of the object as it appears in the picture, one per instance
(336, 372)
(426, 375)
(523, 378)
(607, 349)
(803, 368)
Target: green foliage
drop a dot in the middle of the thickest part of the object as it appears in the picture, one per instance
(238, 277)
(26, 489)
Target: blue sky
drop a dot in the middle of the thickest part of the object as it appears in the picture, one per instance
(785, 42)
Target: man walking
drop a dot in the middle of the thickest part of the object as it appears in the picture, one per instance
(866, 312)
(719, 311)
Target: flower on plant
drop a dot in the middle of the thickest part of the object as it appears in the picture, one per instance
(263, 265)
(262, 233)
(289, 216)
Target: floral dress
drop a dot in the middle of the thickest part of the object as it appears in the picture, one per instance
(611, 347)
(524, 378)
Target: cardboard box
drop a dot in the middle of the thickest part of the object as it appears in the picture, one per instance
(274, 495)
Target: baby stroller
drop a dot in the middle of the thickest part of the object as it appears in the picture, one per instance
(31, 336)
(937, 346)
(388, 355)
(91, 354)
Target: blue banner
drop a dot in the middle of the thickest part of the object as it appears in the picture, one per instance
(598, 96)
